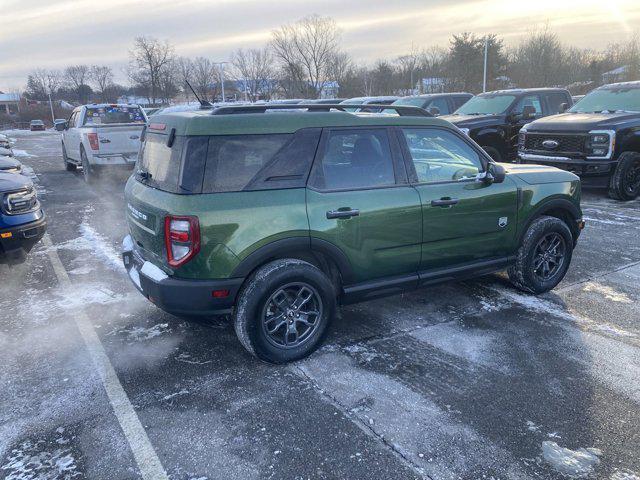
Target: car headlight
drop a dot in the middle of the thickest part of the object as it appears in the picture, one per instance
(600, 143)
(464, 130)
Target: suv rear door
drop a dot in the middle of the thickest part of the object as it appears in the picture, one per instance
(464, 219)
(359, 200)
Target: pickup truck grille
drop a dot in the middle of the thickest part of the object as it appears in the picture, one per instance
(19, 202)
(566, 143)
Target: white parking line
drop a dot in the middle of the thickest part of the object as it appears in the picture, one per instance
(143, 452)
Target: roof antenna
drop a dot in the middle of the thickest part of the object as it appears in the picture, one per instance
(203, 104)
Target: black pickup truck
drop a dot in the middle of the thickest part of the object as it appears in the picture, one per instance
(597, 139)
(493, 119)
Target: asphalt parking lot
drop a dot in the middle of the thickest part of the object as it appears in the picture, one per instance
(471, 380)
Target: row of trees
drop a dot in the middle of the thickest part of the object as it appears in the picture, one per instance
(305, 59)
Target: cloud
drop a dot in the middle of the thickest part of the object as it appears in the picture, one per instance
(55, 33)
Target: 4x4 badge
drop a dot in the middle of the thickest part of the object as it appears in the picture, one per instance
(502, 222)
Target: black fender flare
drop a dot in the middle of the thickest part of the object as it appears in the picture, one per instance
(283, 247)
(553, 204)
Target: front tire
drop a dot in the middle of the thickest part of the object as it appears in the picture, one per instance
(284, 310)
(544, 256)
(625, 181)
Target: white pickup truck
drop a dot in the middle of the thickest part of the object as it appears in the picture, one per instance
(99, 136)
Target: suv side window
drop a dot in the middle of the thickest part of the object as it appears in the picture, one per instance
(554, 100)
(441, 104)
(353, 159)
(531, 100)
(234, 160)
(441, 156)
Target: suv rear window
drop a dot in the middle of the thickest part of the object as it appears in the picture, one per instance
(113, 114)
(234, 160)
(162, 163)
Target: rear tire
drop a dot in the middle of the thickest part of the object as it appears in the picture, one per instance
(69, 167)
(274, 316)
(493, 153)
(90, 174)
(544, 256)
(625, 181)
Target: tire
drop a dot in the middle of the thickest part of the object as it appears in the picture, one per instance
(90, 174)
(493, 153)
(275, 284)
(69, 167)
(625, 181)
(525, 273)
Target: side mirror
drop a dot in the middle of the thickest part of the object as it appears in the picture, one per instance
(495, 173)
(564, 107)
(435, 111)
(60, 126)
(529, 111)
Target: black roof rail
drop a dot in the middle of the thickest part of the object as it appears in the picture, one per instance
(402, 110)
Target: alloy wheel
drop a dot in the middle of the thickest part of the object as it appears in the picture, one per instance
(549, 256)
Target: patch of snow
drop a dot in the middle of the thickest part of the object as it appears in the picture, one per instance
(23, 153)
(84, 270)
(31, 461)
(141, 333)
(532, 427)
(608, 292)
(186, 358)
(572, 463)
(605, 222)
(624, 475)
(176, 394)
(101, 247)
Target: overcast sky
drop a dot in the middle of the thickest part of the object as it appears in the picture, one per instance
(56, 33)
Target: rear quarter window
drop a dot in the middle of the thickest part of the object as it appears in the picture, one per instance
(234, 160)
(162, 163)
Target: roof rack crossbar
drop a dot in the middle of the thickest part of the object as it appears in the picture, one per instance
(402, 110)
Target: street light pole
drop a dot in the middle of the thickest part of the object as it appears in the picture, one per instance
(486, 54)
(53, 118)
(221, 74)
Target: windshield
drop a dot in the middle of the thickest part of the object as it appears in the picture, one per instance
(113, 114)
(609, 99)
(486, 105)
(411, 101)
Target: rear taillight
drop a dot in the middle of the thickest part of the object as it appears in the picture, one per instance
(93, 141)
(181, 238)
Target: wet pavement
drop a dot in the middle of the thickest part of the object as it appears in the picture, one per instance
(466, 380)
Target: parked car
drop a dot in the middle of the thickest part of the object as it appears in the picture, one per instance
(10, 165)
(324, 101)
(278, 218)
(150, 111)
(286, 101)
(6, 152)
(359, 101)
(576, 98)
(5, 142)
(597, 139)
(35, 125)
(22, 221)
(494, 119)
(436, 103)
(101, 136)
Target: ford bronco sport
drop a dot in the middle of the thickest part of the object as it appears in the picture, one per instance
(494, 119)
(277, 217)
(597, 139)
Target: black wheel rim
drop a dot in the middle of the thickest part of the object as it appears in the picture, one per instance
(549, 256)
(291, 315)
(632, 178)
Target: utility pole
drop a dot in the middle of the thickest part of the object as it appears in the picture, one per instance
(53, 119)
(486, 54)
(221, 73)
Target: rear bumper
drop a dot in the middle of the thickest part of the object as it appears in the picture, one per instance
(127, 159)
(17, 241)
(582, 168)
(178, 296)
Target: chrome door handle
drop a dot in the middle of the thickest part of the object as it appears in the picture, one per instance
(347, 213)
(444, 202)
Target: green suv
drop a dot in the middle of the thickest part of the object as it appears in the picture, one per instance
(278, 215)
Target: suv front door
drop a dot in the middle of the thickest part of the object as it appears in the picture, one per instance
(359, 200)
(465, 220)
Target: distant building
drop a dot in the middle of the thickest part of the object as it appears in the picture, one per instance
(329, 89)
(433, 84)
(616, 75)
(9, 103)
(142, 101)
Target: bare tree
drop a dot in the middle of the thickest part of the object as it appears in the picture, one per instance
(205, 78)
(254, 69)
(148, 60)
(306, 49)
(75, 76)
(537, 59)
(184, 74)
(102, 76)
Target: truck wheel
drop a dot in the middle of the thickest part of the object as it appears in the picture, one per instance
(89, 173)
(69, 167)
(625, 181)
(493, 153)
(543, 257)
(284, 310)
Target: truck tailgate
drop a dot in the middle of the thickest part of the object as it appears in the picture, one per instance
(119, 139)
